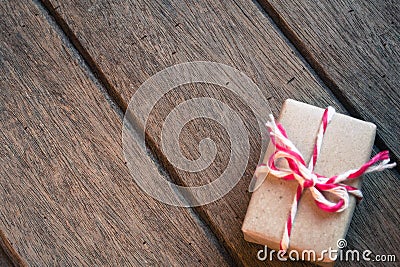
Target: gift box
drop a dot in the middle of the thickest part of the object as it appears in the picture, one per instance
(346, 145)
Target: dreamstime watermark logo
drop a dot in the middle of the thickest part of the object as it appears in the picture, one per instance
(327, 255)
(146, 97)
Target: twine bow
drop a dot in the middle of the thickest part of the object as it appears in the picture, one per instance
(307, 178)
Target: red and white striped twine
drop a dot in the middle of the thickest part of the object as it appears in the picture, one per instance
(306, 177)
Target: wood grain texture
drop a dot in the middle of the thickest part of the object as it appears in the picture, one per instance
(67, 196)
(354, 46)
(128, 41)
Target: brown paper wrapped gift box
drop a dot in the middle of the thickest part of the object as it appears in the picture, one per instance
(347, 145)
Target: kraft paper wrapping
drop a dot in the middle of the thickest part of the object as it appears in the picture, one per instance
(347, 144)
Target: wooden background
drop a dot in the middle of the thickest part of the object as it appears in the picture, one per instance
(69, 68)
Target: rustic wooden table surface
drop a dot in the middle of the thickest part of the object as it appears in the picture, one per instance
(69, 69)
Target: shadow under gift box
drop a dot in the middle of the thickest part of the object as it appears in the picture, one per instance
(347, 144)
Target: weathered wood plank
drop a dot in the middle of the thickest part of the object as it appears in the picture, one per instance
(67, 198)
(354, 46)
(127, 42)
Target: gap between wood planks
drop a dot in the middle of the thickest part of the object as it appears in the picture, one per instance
(316, 68)
(116, 99)
(11, 256)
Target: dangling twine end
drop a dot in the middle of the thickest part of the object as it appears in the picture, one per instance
(259, 176)
(384, 164)
(271, 117)
(270, 124)
(392, 165)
